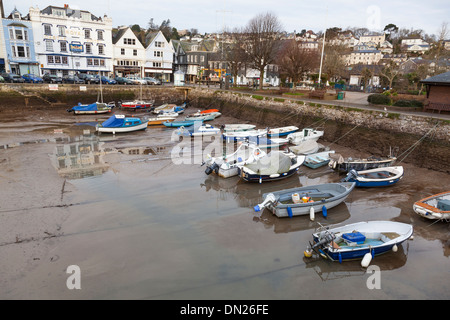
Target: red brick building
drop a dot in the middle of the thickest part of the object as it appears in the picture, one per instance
(438, 92)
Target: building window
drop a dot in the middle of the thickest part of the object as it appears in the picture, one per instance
(88, 48)
(47, 30)
(89, 62)
(63, 46)
(122, 51)
(129, 41)
(159, 44)
(87, 33)
(134, 52)
(19, 34)
(101, 50)
(157, 64)
(99, 34)
(21, 51)
(50, 59)
(62, 31)
(64, 60)
(58, 59)
(49, 45)
(157, 53)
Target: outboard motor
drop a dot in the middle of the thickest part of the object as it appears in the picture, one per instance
(352, 174)
(212, 168)
(327, 238)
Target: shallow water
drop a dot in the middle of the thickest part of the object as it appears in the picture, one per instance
(140, 226)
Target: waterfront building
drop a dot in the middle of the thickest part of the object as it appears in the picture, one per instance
(70, 41)
(159, 56)
(129, 53)
(18, 51)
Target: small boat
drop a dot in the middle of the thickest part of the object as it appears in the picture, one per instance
(210, 111)
(378, 177)
(282, 131)
(120, 123)
(361, 240)
(201, 130)
(435, 207)
(306, 200)
(244, 135)
(265, 143)
(199, 116)
(237, 127)
(160, 119)
(337, 162)
(180, 123)
(93, 108)
(317, 160)
(305, 147)
(305, 134)
(276, 165)
(170, 108)
(227, 166)
(136, 105)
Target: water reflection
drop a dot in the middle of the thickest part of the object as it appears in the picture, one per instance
(80, 156)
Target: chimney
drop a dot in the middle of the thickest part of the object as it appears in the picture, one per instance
(65, 6)
(1, 8)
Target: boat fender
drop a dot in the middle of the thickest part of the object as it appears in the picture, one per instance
(307, 253)
(324, 211)
(340, 258)
(289, 211)
(311, 213)
(366, 260)
(395, 248)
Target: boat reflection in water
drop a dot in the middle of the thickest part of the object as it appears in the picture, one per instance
(80, 156)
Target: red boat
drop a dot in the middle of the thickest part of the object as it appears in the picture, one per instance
(209, 111)
(136, 104)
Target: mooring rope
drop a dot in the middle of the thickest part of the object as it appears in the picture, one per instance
(415, 144)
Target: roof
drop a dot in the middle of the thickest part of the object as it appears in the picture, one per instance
(442, 79)
(116, 36)
(69, 12)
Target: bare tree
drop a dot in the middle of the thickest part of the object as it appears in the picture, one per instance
(262, 33)
(390, 72)
(295, 61)
(334, 63)
(235, 54)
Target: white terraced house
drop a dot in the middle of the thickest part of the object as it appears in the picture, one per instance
(129, 53)
(159, 56)
(70, 41)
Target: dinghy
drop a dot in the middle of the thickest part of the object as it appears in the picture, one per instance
(362, 240)
(378, 177)
(120, 123)
(305, 147)
(317, 160)
(338, 163)
(201, 130)
(160, 119)
(136, 105)
(306, 200)
(435, 207)
(282, 131)
(93, 108)
(265, 143)
(227, 166)
(274, 166)
(244, 135)
(305, 134)
(180, 123)
(200, 116)
(237, 127)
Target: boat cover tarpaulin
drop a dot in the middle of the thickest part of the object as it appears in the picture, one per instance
(89, 107)
(274, 162)
(113, 122)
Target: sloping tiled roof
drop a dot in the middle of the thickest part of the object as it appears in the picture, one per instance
(440, 79)
(116, 37)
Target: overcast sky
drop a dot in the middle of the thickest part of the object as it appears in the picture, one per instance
(212, 15)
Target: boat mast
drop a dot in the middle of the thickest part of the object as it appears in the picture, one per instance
(101, 89)
(323, 48)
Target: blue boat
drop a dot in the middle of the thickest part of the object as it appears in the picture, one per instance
(93, 108)
(362, 240)
(378, 177)
(185, 123)
(282, 131)
(121, 123)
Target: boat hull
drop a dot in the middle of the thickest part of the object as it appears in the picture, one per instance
(435, 207)
(92, 112)
(139, 127)
(338, 191)
(266, 178)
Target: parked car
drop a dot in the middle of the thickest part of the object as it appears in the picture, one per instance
(152, 81)
(137, 80)
(123, 80)
(106, 80)
(88, 78)
(12, 77)
(72, 79)
(51, 78)
(32, 78)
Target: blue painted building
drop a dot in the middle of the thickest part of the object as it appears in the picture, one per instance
(19, 44)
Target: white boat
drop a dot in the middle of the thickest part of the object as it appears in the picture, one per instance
(282, 131)
(161, 118)
(435, 207)
(120, 123)
(318, 159)
(305, 134)
(200, 116)
(237, 127)
(242, 135)
(378, 177)
(305, 147)
(361, 240)
(227, 166)
(201, 130)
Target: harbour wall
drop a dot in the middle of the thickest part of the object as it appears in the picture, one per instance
(422, 141)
